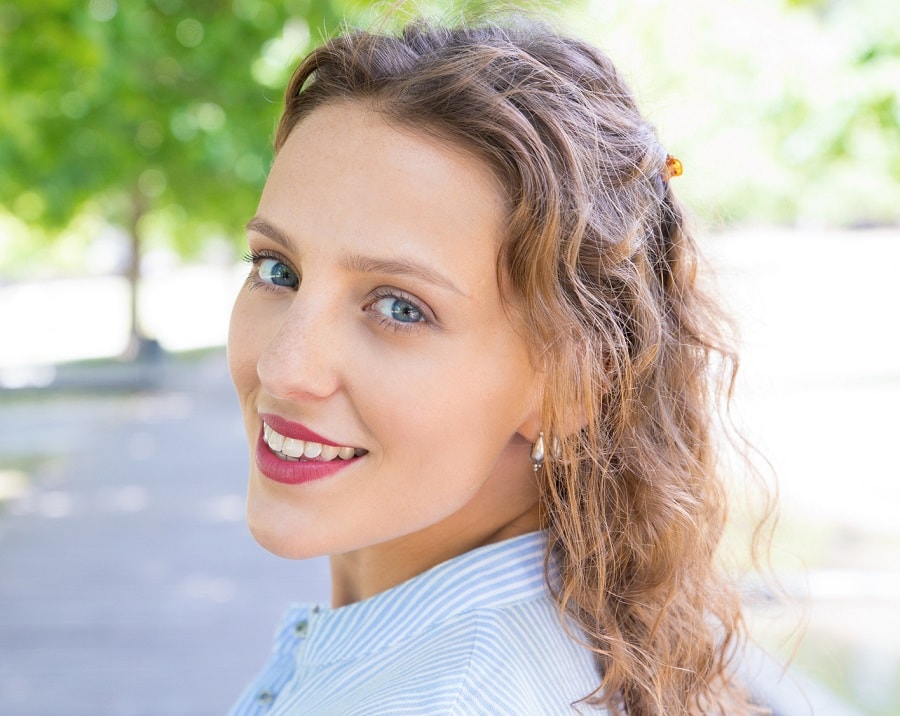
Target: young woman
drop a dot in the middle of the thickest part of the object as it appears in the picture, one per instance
(475, 370)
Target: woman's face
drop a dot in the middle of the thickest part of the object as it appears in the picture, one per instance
(372, 326)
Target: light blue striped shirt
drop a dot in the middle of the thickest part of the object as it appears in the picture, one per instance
(478, 634)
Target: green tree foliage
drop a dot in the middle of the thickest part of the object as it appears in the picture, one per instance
(155, 114)
(782, 110)
(146, 106)
(841, 130)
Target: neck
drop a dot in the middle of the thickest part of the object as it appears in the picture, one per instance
(371, 570)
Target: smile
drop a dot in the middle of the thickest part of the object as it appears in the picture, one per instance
(294, 450)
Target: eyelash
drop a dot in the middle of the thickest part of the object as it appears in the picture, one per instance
(254, 258)
(398, 326)
(254, 282)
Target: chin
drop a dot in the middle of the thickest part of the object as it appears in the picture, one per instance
(279, 531)
(286, 545)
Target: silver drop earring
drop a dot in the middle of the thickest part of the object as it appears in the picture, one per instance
(537, 452)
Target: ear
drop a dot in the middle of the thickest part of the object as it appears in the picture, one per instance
(531, 425)
(572, 420)
(531, 428)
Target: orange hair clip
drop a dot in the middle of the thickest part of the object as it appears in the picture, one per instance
(674, 168)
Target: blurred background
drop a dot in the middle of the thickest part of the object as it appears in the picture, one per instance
(134, 141)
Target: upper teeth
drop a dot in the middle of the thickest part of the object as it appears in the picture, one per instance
(296, 449)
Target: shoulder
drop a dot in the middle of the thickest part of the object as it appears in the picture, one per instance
(513, 659)
(523, 660)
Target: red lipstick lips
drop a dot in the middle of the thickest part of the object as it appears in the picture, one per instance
(290, 472)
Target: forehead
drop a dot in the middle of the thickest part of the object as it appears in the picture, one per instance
(353, 124)
(347, 175)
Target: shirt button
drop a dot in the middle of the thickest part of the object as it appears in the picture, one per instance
(301, 628)
(265, 697)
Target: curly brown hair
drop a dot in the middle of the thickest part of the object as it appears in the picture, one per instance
(598, 252)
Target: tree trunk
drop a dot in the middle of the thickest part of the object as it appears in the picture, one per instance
(137, 339)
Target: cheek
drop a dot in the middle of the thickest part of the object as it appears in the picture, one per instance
(440, 411)
(244, 341)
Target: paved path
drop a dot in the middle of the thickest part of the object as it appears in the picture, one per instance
(128, 582)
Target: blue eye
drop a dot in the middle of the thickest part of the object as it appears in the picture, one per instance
(277, 273)
(398, 310)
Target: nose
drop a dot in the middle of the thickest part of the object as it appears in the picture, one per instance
(302, 357)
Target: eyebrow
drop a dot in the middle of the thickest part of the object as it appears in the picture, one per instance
(397, 267)
(362, 264)
(269, 230)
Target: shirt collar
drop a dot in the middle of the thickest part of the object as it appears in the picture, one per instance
(494, 575)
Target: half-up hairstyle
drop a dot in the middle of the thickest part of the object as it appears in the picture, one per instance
(605, 276)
